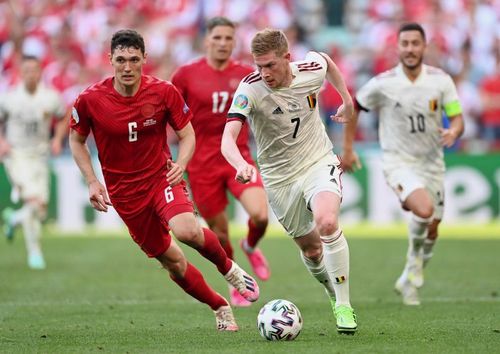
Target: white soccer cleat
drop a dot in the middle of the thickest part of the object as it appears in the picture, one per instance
(408, 291)
(225, 319)
(244, 283)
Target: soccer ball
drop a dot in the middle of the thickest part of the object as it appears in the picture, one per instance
(279, 320)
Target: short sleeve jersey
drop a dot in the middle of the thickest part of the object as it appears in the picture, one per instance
(28, 117)
(208, 93)
(130, 132)
(286, 123)
(411, 113)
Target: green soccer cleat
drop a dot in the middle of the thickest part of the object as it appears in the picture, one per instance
(8, 228)
(346, 318)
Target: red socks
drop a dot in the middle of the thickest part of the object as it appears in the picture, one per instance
(213, 251)
(194, 284)
(255, 233)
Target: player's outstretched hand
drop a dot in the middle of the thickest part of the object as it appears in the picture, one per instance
(448, 137)
(175, 173)
(246, 173)
(350, 161)
(98, 196)
(344, 113)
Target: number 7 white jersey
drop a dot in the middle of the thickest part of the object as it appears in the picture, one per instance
(286, 124)
(411, 113)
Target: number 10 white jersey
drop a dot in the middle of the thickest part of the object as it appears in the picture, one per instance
(411, 113)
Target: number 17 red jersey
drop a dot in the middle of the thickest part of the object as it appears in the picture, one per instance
(208, 93)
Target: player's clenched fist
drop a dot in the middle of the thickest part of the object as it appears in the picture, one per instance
(246, 173)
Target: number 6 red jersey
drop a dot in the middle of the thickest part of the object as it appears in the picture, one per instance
(130, 132)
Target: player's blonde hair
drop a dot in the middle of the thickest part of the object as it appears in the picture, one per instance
(269, 40)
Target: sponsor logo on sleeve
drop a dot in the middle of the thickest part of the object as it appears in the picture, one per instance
(241, 101)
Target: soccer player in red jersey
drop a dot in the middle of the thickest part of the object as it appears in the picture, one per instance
(128, 114)
(207, 85)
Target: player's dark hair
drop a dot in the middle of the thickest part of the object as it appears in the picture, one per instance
(127, 38)
(219, 21)
(412, 26)
(27, 57)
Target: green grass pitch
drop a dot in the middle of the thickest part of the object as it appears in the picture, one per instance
(101, 295)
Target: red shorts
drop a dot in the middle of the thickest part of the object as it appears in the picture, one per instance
(147, 220)
(209, 194)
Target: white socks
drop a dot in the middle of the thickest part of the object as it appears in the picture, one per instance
(336, 258)
(32, 227)
(428, 246)
(417, 233)
(318, 271)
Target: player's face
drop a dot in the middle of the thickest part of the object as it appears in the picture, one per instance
(31, 73)
(220, 43)
(127, 63)
(274, 69)
(411, 47)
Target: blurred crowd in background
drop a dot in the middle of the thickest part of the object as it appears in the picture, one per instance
(72, 39)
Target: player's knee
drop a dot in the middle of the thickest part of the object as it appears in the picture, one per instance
(326, 224)
(314, 254)
(424, 211)
(260, 220)
(190, 235)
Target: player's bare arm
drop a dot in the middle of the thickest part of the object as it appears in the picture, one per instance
(350, 160)
(455, 131)
(98, 195)
(244, 171)
(187, 142)
(61, 131)
(333, 75)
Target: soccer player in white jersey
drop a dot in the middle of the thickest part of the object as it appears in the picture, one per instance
(301, 174)
(26, 113)
(411, 99)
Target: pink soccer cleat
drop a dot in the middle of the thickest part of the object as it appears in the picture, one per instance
(244, 283)
(237, 299)
(258, 262)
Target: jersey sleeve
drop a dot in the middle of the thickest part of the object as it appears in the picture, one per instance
(180, 114)
(451, 103)
(178, 80)
(368, 95)
(58, 107)
(241, 107)
(80, 119)
(316, 65)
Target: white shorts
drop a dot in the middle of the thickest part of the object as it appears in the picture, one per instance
(29, 175)
(291, 202)
(404, 180)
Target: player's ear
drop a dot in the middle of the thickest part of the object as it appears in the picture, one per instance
(110, 57)
(288, 56)
(145, 56)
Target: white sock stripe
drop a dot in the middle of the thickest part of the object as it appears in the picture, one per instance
(422, 220)
(333, 237)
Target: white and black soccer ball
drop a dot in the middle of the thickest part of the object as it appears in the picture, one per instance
(279, 320)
